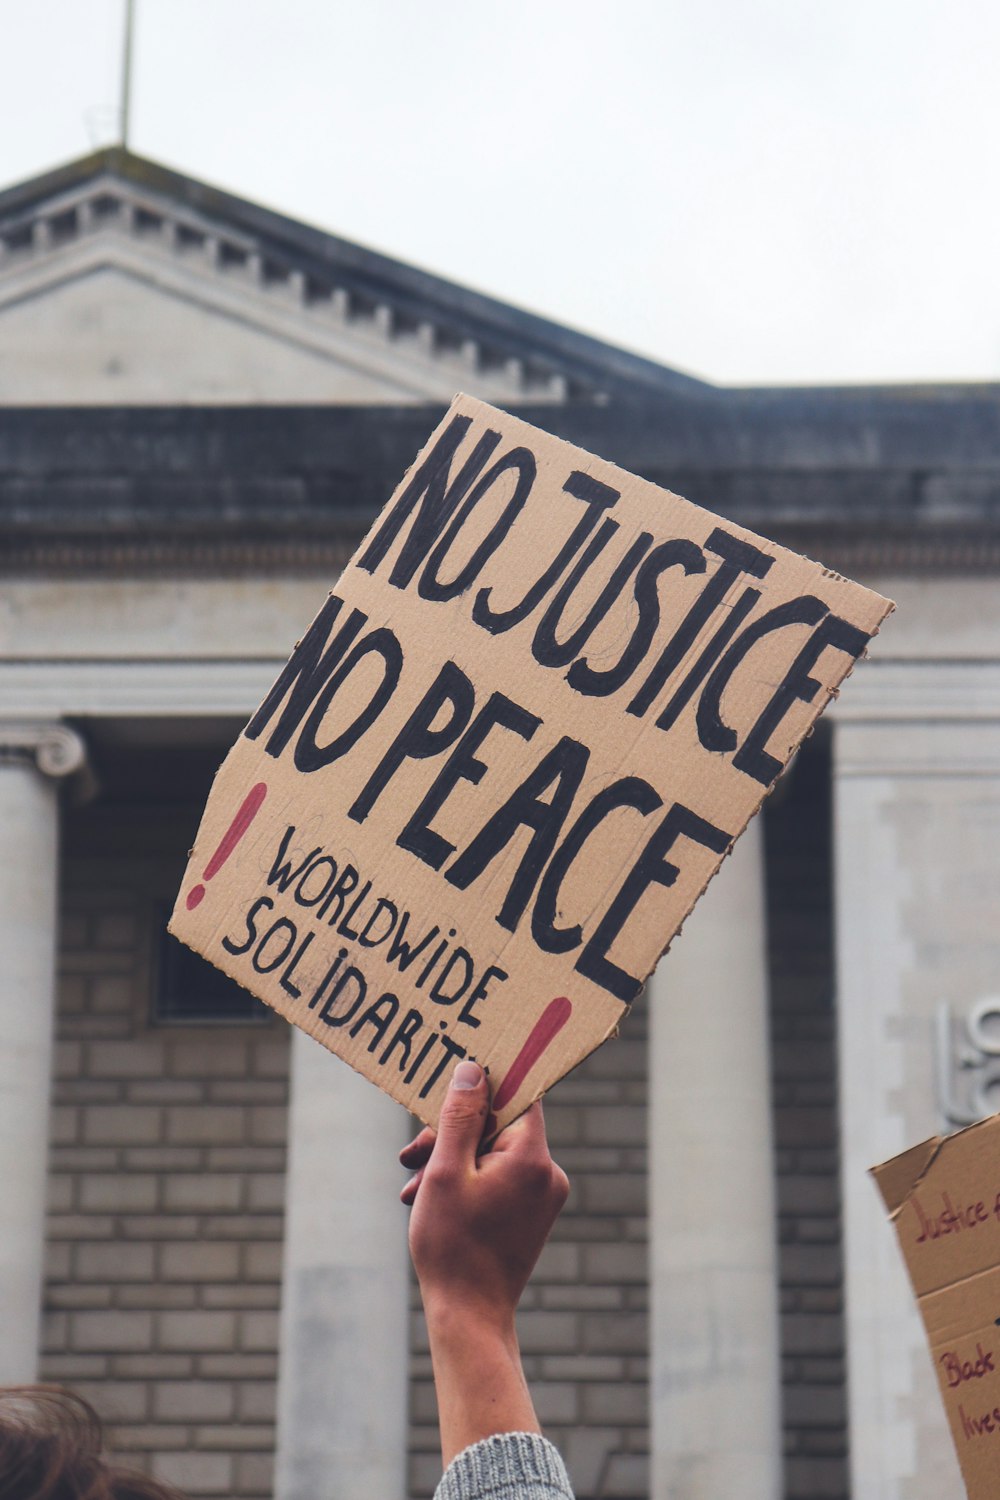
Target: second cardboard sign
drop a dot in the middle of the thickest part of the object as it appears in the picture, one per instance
(944, 1198)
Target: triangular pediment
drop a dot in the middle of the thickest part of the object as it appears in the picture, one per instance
(122, 282)
(113, 322)
(122, 298)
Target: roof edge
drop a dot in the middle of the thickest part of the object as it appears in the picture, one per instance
(615, 366)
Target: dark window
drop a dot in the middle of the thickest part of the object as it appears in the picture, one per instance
(189, 991)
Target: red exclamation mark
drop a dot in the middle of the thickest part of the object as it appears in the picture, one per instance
(249, 809)
(551, 1021)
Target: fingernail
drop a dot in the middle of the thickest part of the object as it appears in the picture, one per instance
(468, 1075)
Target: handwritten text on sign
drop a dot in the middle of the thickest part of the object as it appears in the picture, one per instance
(944, 1199)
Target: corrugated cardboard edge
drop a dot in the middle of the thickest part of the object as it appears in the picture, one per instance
(898, 1178)
(832, 695)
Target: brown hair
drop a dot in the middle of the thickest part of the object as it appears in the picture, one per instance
(50, 1449)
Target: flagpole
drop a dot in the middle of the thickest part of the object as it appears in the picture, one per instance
(126, 88)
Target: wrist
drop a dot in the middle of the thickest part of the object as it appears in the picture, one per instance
(457, 1320)
(481, 1389)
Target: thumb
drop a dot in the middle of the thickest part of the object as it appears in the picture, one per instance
(463, 1114)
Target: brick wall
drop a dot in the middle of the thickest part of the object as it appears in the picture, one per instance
(166, 1186)
(806, 1129)
(582, 1324)
(165, 1220)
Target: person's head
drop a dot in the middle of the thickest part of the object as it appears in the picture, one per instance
(50, 1449)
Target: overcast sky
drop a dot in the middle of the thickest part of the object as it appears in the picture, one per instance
(757, 191)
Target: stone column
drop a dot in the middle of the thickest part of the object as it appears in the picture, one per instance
(715, 1375)
(344, 1361)
(32, 759)
(917, 835)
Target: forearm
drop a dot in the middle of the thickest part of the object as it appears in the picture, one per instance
(481, 1389)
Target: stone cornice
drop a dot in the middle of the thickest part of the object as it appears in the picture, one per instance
(157, 556)
(32, 690)
(905, 484)
(153, 555)
(881, 693)
(920, 692)
(928, 719)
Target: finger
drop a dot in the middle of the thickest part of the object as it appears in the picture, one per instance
(522, 1148)
(463, 1114)
(419, 1149)
(525, 1134)
(409, 1192)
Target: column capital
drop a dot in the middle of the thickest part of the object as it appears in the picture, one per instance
(56, 749)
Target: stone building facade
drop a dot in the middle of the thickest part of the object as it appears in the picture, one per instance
(203, 404)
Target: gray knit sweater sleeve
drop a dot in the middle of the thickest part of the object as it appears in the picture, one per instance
(510, 1466)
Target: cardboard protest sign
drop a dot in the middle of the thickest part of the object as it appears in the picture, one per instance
(943, 1197)
(505, 760)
